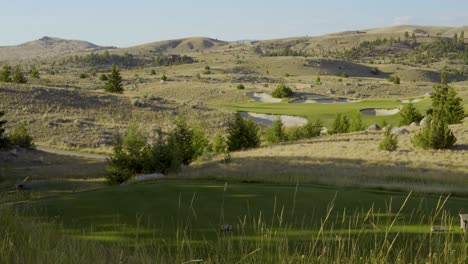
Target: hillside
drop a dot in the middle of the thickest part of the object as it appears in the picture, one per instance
(46, 47)
(179, 45)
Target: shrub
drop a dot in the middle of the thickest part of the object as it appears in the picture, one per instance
(445, 97)
(295, 133)
(163, 78)
(183, 139)
(20, 137)
(276, 133)
(240, 86)
(201, 144)
(153, 72)
(390, 141)
(374, 70)
(394, 79)
(4, 140)
(103, 77)
(34, 72)
(357, 124)
(242, 134)
(114, 82)
(312, 129)
(219, 144)
(18, 76)
(340, 124)
(409, 115)
(83, 75)
(318, 80)
(5, 73)
(344, 75)
(282, 91)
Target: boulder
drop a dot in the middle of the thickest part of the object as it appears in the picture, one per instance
(423, 122)
(400, 131)
(374, 127)
(413, 125)
(323, 131)
(149, 177)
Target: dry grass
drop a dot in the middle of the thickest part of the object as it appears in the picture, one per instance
(349, 160)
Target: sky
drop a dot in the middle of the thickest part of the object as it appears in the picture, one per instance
(127, 23)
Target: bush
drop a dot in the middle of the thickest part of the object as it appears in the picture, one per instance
(103, 77)
(5, 73)
(276, 133)
(390, 141)
(340, 124)
(282, 91)
(163, 78)
(83, 75)
(20, 137)
(356, 124)
(344, 75)
(374, 70)
(34, 72)
(183, 138)
(153, 72)
(240, 86)
(394, 79)
(201, 144)
(409, 115)
(312, 129)
(219, 144)
(18, 76)
(114, 82)
(243, 134)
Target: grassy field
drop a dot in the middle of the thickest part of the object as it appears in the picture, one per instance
(180, 221)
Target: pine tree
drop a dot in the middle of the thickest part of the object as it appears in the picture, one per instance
(242, 134)
(4, 141)
(18, 76)
(219, 144)
(446, 98)
(356, 124)
(276, 133)
(390, 141)
(5, 73)
(340, 124)
(409, 114)
(183, 139)
(34, 72)
(114, 82)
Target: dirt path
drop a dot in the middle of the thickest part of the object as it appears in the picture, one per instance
(71, 153)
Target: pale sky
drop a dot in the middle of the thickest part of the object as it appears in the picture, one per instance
(126, 23)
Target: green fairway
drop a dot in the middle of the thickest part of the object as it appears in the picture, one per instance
(158, 211)
(326, 112)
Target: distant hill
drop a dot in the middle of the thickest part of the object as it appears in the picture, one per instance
(46, 47)
(180, 45)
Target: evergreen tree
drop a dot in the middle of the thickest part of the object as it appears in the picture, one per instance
(34, 72)
(445, 98)
(436, 133)
(340, 124)
(114, 82)
(5, 73)
(18, 76)
(4, 141)
(242, 134)
(219, 144)
(455, 38)
(312, 129)
(183, 139)
(282, 91)
(20, 137)
(409, 114)
(461, 39)
(356, 124)
(390, 141)
(201, 144)
(276, 133)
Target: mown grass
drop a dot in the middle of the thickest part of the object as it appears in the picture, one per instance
(179, 221)
(327, 112)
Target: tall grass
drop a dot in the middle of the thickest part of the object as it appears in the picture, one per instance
(337, 237)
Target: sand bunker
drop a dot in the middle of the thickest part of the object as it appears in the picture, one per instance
(407, 101)
(380, 112)
(324, 101)
(263, 97)
(267, 120)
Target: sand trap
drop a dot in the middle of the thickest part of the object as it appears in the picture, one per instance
(324, 101)
(407, 101)
(267, 120)
(380, 112)
(263, 97)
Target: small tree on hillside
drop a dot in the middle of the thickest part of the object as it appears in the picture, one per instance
(356, 124)
(21, 137)
(18, 76)
(201, 143)
(219, 144)
(34, 73)
(183, 138)
(4, 141)
(276, 133)
(436, 134)
(114, 82)
(242, 134)
(5, 73)
(390, 141)
(410, 114)
(340, 124)
(445, 98)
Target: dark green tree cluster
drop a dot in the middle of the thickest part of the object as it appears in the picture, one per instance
(14, 75)
(311, 129)
(242, 134)
(132, 154)
(341, 124)
(282, 91)
(114, 81)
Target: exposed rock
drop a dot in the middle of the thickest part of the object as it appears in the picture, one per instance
(374, 127)
(413, 125)
(423, 122)
(400, 131)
